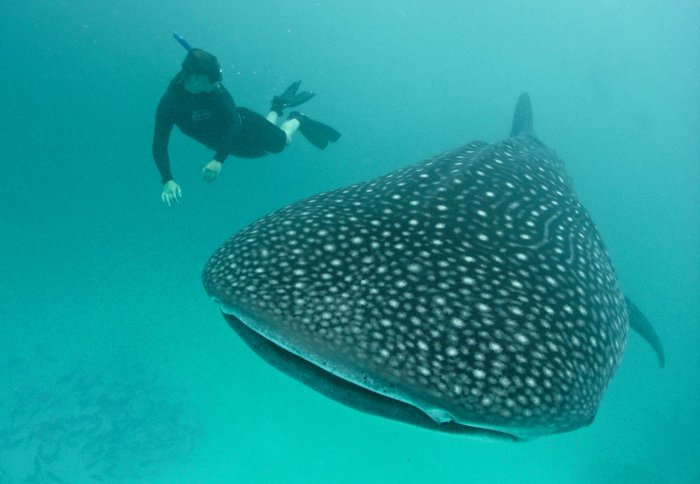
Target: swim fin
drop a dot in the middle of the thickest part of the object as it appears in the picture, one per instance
(290, 98)
(318, 134)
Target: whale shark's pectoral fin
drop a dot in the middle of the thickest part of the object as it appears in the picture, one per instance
(641, 325)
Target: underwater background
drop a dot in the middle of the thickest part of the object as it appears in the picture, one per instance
(114, 364)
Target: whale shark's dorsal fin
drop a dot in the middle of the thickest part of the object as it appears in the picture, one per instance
(641, 325)
(522, 118)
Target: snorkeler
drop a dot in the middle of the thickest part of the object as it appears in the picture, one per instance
(197, 102)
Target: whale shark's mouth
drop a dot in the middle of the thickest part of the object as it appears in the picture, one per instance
(348, 393)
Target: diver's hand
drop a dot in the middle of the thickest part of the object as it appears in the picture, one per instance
(171, 193)
(211, 171)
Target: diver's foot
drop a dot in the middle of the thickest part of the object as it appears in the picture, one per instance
(290, 98)
(318, 134)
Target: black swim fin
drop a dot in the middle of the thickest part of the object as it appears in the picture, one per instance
(318, 134)
(290, 98)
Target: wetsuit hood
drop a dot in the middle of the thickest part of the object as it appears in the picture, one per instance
(201, 61)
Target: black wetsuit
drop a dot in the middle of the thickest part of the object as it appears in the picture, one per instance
(214, 120)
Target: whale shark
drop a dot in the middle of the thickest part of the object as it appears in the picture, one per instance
(469, 293)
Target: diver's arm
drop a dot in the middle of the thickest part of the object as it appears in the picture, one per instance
(161, 137)
(171, 190)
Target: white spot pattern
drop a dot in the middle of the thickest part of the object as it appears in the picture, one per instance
(475, 279)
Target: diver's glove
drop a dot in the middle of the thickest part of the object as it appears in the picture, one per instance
(290, 98)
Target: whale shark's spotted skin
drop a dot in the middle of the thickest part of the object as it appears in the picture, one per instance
(473, 286)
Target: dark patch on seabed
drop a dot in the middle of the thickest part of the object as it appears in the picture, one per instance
(86, 422)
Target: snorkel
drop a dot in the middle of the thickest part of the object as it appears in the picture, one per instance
(181, 40)
(194, 59)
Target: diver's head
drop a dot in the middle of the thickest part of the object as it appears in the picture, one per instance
(201, 71)
(197, 83)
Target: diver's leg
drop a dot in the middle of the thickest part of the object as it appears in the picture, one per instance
(290, 127)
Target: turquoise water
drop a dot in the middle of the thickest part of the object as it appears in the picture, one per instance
(116, 366)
